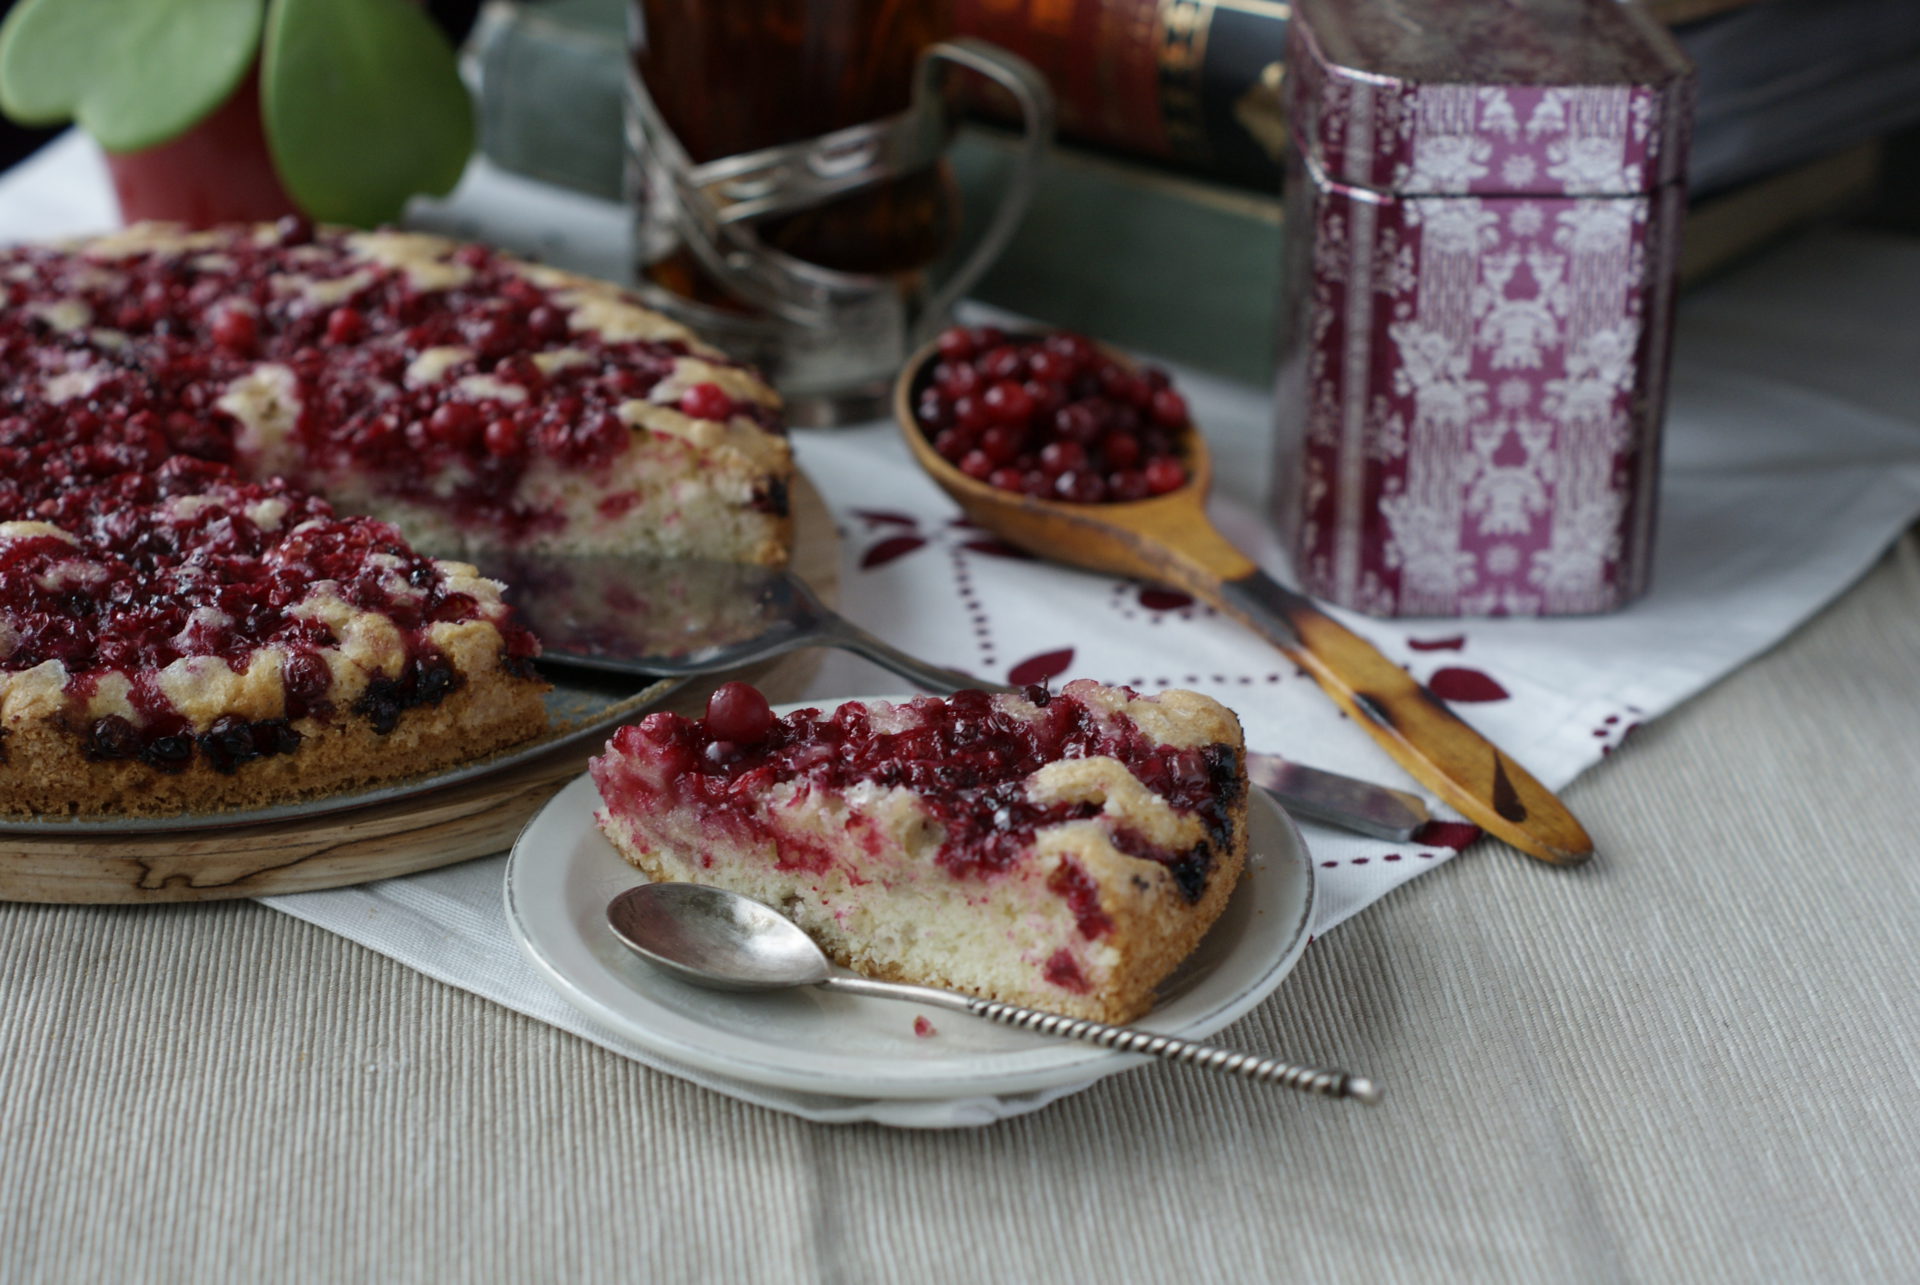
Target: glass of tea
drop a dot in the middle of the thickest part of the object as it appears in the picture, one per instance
(792, 198)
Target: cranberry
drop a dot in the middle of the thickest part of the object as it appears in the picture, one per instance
(1004, 362)
(1120, 450)
(706, 401)
(955, 343)
(1081, 486)
(113, 737)
(1128, 484)
(933, 409)
(548, 322)
(953, 444)
(738, 712)
(971, 413)
(1063, 457)
(236, 329)
(1165, 473)
(1169, 408)
(452, 421)
(1047, 397)
(1052, 366)
(503, 437)
(1008, 402)
(1002, 443)
(956, 379)
(977, 464)
(345, 325)
(1080, 422)
(1007, 479)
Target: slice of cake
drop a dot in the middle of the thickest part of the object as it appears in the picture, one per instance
(1064, 851)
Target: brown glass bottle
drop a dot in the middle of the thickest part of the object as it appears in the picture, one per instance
(733, 76)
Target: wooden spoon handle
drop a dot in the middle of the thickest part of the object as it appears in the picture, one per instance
(1425, 737)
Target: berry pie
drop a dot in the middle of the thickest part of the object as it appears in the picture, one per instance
(1061, 850)
(220, 455)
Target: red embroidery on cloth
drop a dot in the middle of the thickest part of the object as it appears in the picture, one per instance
(1465, 685)
(1040, 668)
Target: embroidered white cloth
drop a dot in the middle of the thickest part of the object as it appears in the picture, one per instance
(1793, 458)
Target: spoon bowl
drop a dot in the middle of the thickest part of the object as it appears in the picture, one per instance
(716, 938)
(1167, 538)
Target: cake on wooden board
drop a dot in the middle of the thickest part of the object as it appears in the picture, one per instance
(186, 623)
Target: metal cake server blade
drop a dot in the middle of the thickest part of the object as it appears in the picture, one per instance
(672, 617)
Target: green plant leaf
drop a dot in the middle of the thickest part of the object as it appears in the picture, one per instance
(363, 106)
(133, 73)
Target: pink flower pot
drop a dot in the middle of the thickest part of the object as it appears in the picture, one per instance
(219, 171)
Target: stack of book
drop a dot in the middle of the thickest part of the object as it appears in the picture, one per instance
(1168, 184)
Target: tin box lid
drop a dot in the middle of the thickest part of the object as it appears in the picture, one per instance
(1492, 97)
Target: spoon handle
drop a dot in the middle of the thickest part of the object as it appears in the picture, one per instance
(1318, 1081)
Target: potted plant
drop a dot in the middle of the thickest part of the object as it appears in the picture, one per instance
(244, 109)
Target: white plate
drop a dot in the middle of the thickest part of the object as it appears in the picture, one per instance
(563, 873)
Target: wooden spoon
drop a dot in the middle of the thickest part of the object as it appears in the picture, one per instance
(1169, 540)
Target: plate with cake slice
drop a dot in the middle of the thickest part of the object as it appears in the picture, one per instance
(1090, 851)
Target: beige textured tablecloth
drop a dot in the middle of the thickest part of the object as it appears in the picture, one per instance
(1696, 1060)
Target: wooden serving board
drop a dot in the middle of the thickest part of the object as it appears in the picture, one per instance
(474, 819)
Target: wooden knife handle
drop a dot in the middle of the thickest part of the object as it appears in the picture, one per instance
(1434, 745)
(1425, 737)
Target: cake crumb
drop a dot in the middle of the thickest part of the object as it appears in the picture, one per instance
(923, 1028)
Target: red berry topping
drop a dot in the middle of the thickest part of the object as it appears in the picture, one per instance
(1053, 417)
(969, 757)
(706, 401)
(737, 712)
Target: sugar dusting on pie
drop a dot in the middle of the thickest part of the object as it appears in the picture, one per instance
(185, 621)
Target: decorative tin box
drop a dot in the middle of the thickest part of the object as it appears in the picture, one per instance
(1483, 224)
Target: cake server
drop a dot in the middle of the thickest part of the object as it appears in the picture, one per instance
(1168, 539)
(667, 617)
(713, 937)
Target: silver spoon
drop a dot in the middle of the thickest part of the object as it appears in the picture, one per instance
(721, 939)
